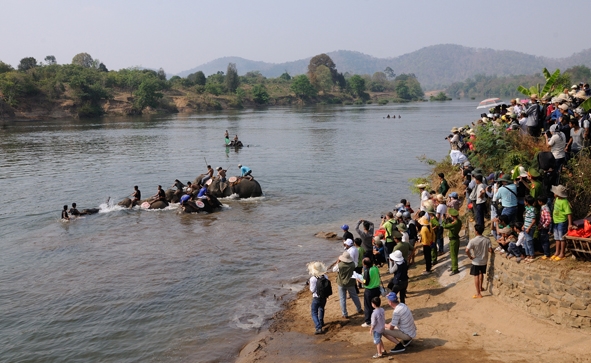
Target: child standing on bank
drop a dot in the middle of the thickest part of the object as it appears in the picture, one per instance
(517, 248)
(378, 322)
(562, 218)
(529, 227)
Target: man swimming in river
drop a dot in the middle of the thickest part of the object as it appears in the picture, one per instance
(65, 213)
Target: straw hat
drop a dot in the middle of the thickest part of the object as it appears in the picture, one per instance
(317, 268)
(559, 190)
(346, 257)
(505, 230)
(440, 198)
(421, 186)
(423, 221)
(454, 129)
(396, 256)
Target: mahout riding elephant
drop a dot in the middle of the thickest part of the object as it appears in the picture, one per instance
(244, 187)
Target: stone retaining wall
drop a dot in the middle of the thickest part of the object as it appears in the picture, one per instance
(546, 290)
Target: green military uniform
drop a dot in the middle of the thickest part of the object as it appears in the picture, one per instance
(454, 239)
(434, 225)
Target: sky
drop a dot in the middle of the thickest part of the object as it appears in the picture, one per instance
(178, 35)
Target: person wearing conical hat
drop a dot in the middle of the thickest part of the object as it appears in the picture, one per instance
(454, 225)
(317, 270)
(562, 218)
(427, 238)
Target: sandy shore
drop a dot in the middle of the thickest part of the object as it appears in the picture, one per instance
(452, 327)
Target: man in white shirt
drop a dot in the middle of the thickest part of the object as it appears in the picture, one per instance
(353, 251)
(440, 213)
(402, 329)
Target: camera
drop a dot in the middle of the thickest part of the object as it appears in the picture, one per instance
(548, 133)
(382, 216)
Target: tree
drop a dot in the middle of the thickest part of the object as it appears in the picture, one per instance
(390, 73)
(161, 74)
(102, 68)
(402, 90)
(147, 94)
(83, 60)
(260, 94)
(232, 80)
(324, 79)
(302, 87)
(285, 76)
(50, 60)
(197, 78)
(5, 67)
(27, 63)
(321, 60)
(579, 73)
(357, 85)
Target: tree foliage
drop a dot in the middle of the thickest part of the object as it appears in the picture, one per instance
(302, 87)
(5, 67)
(232, 80)
(318, 61)
(27, 63)
(324, 80)
(50, 60)
(285, 76)
(83, 60)
(356, 85)
(197, 78)
(260, 94)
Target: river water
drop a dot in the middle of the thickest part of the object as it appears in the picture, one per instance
(159, 286)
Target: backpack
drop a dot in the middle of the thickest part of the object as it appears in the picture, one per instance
(323, 287)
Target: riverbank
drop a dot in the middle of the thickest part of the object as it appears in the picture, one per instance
(452, 327)
(181, 101)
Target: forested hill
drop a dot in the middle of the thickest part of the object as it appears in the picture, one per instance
(435, 66)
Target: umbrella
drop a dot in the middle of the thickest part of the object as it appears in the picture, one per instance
(490, 102)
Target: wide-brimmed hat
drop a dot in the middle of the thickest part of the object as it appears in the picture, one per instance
(559, 190)
(396, 256)
(453, 212)
(522, 172)
(396, 234)
(424, 221)
(440, 198)
(345, 257)
(402, 227)
(454, 129)
(316, 268)
(563, 107)
(505, 230)
(477, 171)
(430, 210)
(421, 186)
(506, 178)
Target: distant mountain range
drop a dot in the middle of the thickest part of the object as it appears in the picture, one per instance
(436, 66)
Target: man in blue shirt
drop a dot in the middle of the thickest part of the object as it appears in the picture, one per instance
(507, 194)
(202, 192)
(245, 171)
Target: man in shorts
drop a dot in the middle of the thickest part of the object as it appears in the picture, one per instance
(480, 246)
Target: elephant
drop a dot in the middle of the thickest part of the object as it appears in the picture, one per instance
(244, 187)
(210, 205)
(161, 204)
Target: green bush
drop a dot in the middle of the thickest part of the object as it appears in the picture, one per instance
(383, 102)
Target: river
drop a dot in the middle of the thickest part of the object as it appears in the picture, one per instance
(159, 286)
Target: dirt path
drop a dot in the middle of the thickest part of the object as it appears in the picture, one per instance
(452, 327)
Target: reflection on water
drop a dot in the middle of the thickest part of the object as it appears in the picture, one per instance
(135, 285)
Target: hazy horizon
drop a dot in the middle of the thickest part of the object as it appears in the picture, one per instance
(179, 35)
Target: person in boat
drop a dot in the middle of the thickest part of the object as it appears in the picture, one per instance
(74, 211)
(208, 175)
(135, 196)
(226, 138)
(160, 195)
(65, 215)
(221, 174)
(245, 171)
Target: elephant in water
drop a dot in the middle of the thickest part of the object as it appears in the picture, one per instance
(209, 205)
(126, 202)
(245, 188)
